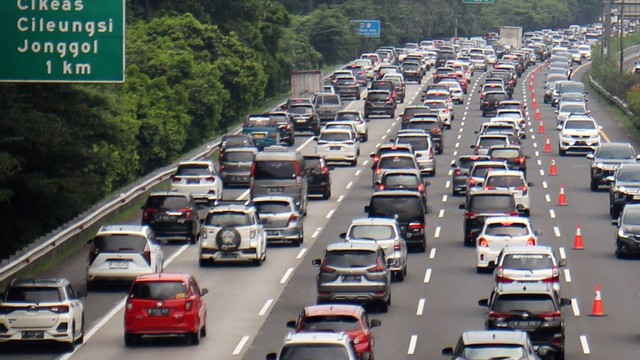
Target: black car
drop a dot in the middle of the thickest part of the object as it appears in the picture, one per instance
(388, 86)
(409, 210)
(172, 216)
(491, 101)
(625, 188)
(481, 204)
(531, 307)
(605, 161)
(379, 102)
(460, 172)
(235, 141)
(628, 231)
(318, 176)
(305, 118)
(285, 126)
(412, 71)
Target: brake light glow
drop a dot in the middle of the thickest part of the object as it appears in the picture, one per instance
(210, 178)
(187, 213)
(176, 179)
(362, 338)
(531, 242)
(523, 189)
(556, 315)
(377, 268)
(146, 214)
(292, 217)
(482, 242)
(253, 171)
(381, 187)
(420, 187)
(396, 245)
(325, 268)
(456, 172)
(59, 309)
(416, 226)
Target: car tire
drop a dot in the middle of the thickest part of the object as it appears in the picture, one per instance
(194, 337)
(384, 306)
(81, 338)
(203, 330)
(69, 347)
(228, 239)
(204, 262)
(422, 247)
(327, 194)
(399, 275)
(193, 238)
(594, 185)
(130, 340)
(562, 152)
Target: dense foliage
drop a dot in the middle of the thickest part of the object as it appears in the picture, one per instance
(193, 68)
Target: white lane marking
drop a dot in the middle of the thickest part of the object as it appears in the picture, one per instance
(358, 173)
(427, 276)
(461, 123)
(349, 184)
(541, 172)
(286, 275)
(455, 153)
(457, 145)
(547, 198)
(412, 344)
(563, 254)
(531, 130)
(447, 184)
(265, 307)
(539, 162)
(533, 137)
(432, 253)
(340, 198)
(243, 195)
(544, 184)
(552, 214)
(556, 231)
(444, 198)
(460, 130)
(241, 344)
(535, 145)
(459, 136)
(330, 213)
(310, 139)
(378, 145)
(383, 137)
(441, 213)
(436, 234)
(365, 163)
(450, 172)
(301, 253)
(420, 307)
(537, 153)
(316, 233)
(567, 275)
(388, 130)
(585, 345)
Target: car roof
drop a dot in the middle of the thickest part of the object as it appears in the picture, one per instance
(333, 309)
(527, 249)
(507, 219)
(59, 282)
(494, 337)
(272, 198)
(340, 246)
(162, 277)
(124, 229)
(373, 220)
(415, 172)
(316, 337)
(502, 172)
(392, 193)
(169, 193)
(524, 288)
(196, 162)
(250, 149)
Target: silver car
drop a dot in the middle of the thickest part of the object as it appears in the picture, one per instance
(528, 264)
(386, 233)
(281, 219)
(423, 148)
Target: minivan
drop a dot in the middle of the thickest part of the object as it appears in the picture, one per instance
(277, 171)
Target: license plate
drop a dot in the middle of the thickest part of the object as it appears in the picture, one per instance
(227, 255)
(158, 312)
(275, 190)
(525, 324)
(351, 278)
(259, 135)
(33, 334)
(273, 233)
(301, 121)
(335, 148)
(118, 265)
(193, 181)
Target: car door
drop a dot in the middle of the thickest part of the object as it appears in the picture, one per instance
(77, 309)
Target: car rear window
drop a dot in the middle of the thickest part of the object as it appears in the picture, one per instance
(119, 243)
(396, 162)
(614, 152)
(331, 323)
(312, 163)
(527, 261)
(377, 96)
(384, 85)
(228, 218)
(334, 136)
(406, 207)
(350, 258)
(32, 294)
(193, 169)
(269, 170)
(236, 141)
(160, 290)
(504, 153)
(492, 203)
(371, 232)
(507, 229)
(314, 351)
(486, 142)
(167, 202)
(425, 125)
(436, 105)
(419, 143)
(505, 181)
(332, 100)
(273, 207)
(532, 303)
(481, 171)
(494, 351)
(238, 156)
(300, 110)
(420, 110)
(400, 181)
(496, 97)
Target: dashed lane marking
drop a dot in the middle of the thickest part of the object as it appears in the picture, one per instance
(457, 145)
(547, 198)
(340, 198)
(455, 153)
(441, 214)
(365, 163)
(316, 233)
(330, 213)
(286, 275)
(412, 344)
(265, 307)
(459, 136)
(358, 173)
(535, 145)
(541, 172)
(349, 184)
(447, 184)
(537, 153)
(240, 345)
(432, 253)
(556, 231)
(544, 184)
(567, 275)
(444, 198)
(301, 253)
(585, 345)
(427, 276)
(552, 214)
(436, 234)
(450, 172)
(539, 162)
(563, 254)
(574, 307)
(420, 307)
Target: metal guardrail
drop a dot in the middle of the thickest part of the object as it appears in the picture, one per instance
(33, 252)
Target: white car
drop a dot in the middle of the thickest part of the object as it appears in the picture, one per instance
(528, 264)
(198, 178)
(338, 144)
(359, 121)
(512, 180)
(578, 132)
(499, 232)
(386, 233)
(42, 310)
(455, 90)
(567, 108)
(441, 107)
(122, 252)
(585, 51)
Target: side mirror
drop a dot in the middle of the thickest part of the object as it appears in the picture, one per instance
(520, 207)
(565, 302)
(476, 132)
(315, 138)
(427, 183)
(537, 232)
(372, 155)
(472, 146)
(79, 294)
(559, 127)
(461, 206)
(527, 156)
(391, 262)
(600, 127)
(530, 184)
(375, 323)
(204, 291)
(590, 156)
(562, 263)
(366, 208)
(291, 324)
(89, 241)
(271, 356)
(483, 302)
(453, 163)
(447, 351)
(343, 235)
(316, 262)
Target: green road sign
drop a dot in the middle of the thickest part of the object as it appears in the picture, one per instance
(62, 41)
(477, 1)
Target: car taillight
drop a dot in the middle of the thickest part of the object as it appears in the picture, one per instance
(325, 268)
(381, 187)
(253, 172)
(376, 159)
(431, 153)
(456, 172)
(489, 188)
(377, 268)
(520, 160)
(59, 309)
(176, 179)
(274, 136)
(397, 246)
(378, 171)
(146, 214)
(416, 226)
(420, 187)
(446, 111)
(487, 103)
(531, 242)
(188, 305)
(390, 101)
(436, 130)
(93, 253)
(472, 182)
(188, 213)
(469, 214)
(556, 315)
(292, 217)
(523, 189)
(482, 242)
(514, 213)
(324, 170)
(129, 306)
(367, 102)
(210, 179)
(362, 338)
(498, 316)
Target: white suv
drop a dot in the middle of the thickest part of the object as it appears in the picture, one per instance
(122, 252)
(499, 232)
(338, 144)
(232, 232)
(198, 178)
(578, 132)
(42, 310)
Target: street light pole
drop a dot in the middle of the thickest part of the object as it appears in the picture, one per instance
(621, 36)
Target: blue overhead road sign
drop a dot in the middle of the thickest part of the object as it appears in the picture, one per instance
(369, 28)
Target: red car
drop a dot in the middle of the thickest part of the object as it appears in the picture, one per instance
(165, 304)
(351, 319)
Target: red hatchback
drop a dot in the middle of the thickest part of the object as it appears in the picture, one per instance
(165, 304)
(351, 319)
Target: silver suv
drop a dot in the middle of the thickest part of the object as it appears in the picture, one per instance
(423, 148)
(318, 345)
(354, 272)
(232, 232)
(280, 218)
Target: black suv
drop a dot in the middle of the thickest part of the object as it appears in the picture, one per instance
(482, 204)
(531, 307)
(625, 187)
(172, 216)
(409, 210)
(318, 176)
(388, 85)
(379, 102)
(235, 141)
(491, 101)
(605, 161)
(628, 234)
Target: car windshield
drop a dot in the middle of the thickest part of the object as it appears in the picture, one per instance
(492, 203)
(350, 258)
(159, 290)
(397, 162)
(507, 229)
(505, 181)
(531, 303)
(237, 157)
(331, 323)
(236, 141)
(400, 181)
(629, 175)
(614, 152)
(228, 218)
(580, 125)
(509, 114)
(631, 217)
(273, 207)
(406, 207)
(334, 136)
(527, 261)
(167, 202)
(371, 232)
(193, 169)
(32, 294)
(572, 87)
(300, 110)
(314, 351)
(119, 243)
(504, 153)
(493, 351)
(268, 170)
(418, 143)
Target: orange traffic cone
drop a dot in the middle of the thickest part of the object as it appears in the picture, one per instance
(598, 309)
(553, 171)
(538, 114)
(547, 146)
(562, 198)
(533, 95)
(534, 104)
(531, 86)
(577, 242)
(540, 127)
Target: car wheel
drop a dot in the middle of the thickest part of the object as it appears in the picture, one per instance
(484, 114)
(81, 338)
(203, 331)
(399, 275)
(327, 194)
(562, 152)
(72, 345)
(422, 247)
(194, 337)
(130, 339)
(228, 239)
(594, 185)
(614, 212)
(354, 162)
(440, 151)
(383, 306)
(193, 238)
(366, 137)
(205, 262)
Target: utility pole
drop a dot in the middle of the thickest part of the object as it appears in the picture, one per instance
(621, 36)
(607, 30)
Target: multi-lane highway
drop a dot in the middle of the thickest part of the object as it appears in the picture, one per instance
(248, 306)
